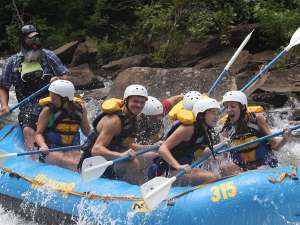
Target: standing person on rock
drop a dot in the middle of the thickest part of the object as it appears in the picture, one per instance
(28, 71)
(114, 134)
(59, 123)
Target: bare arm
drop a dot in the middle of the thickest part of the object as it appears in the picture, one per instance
(174, 99)
(85, 126)
(108, 127)
(41, 127)
(276, 142)
(257, 84)
(4, 95)
(182, 133)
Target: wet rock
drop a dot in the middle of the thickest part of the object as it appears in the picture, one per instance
(220, 59)
(65, 52)
(115, 67)
(85, 53)
(83, 77)
(270, 98)
(162, 83)
(97, 94)
(191, 52)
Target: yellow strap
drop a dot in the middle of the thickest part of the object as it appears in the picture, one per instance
(70, 192)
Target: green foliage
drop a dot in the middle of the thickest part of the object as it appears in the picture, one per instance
(159, 28)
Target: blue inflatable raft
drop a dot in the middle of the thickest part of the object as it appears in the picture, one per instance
(55, 195)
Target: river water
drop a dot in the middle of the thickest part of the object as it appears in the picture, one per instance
(288, 155)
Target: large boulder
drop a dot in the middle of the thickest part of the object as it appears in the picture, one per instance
(85, 53)
(116, 66)
(83, 77)
(192, 51)
(65, 52)
(220, 59)
(163, 83)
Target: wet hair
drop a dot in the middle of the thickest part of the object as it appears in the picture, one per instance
(208, 137)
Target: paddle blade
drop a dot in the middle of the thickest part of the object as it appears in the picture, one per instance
(295, 40)
(7, 156)
(238, 51)
(156, 190)
(94, 167)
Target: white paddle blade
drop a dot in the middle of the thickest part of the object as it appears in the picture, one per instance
(156, 190)
(295, 40)
(236, 54)
(94, 167)
(7, 156)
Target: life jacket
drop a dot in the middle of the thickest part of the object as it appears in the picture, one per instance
(63, 127)
(184, 153)
(31, 75)
(118, 143)
(254, 155)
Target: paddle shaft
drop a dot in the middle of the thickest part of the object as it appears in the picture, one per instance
(59, 149)
(224, 72)
(201, 160)
(30, 97)
(144, 150)
(267, 137)
(264, 70)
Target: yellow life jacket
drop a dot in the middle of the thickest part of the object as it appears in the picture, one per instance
(247, 154)
(254, 109)
(47, 100)
(112, 105)
(178, 112)
(63, 127)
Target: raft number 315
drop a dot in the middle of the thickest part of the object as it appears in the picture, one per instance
(223, 191)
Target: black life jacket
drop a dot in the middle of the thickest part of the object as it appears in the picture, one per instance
(118, 143)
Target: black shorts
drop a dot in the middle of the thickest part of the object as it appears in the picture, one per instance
(29, 115)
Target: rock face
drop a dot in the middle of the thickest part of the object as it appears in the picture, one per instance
(83, 77)
(65, 52)
(168, 82)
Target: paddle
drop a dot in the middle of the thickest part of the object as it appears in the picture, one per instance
(231, 61)
(59, 149)
(30, 97)
(94, 167)
(157, 189)
(295, 40)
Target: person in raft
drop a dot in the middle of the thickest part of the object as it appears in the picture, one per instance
(59, 122)
(182, 141)
(242, 126)
(113, 136)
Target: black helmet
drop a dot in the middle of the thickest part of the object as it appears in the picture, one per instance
(27, 29)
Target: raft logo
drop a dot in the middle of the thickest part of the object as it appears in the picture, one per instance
(53, 185)
(223, 191)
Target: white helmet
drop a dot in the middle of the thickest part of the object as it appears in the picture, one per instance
(63, 88)
(153, 107)
(205, 104)
(190, 98)
(135, 90)
(235, 96)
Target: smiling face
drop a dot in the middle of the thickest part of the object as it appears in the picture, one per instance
(211, 117)
(233, 110)
(136, 104)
